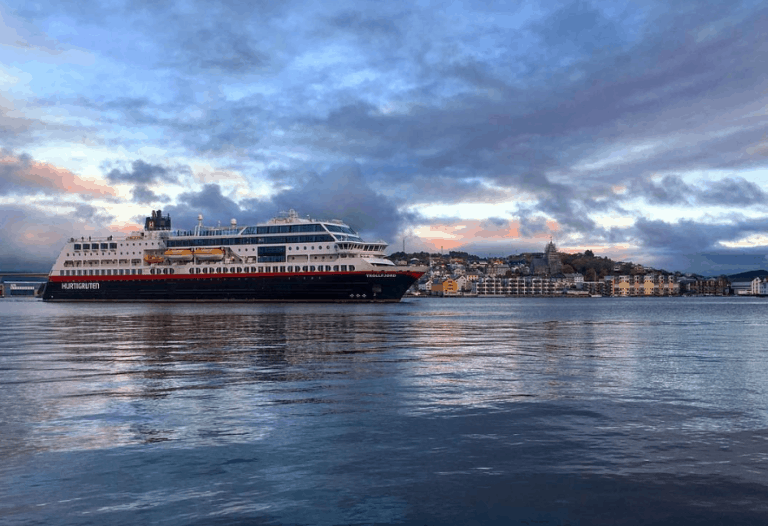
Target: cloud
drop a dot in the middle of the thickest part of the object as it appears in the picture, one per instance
(142, 173)
(32, 237)
(338, 193)
(13, 123)
(20, 174)
(342, 192)
(208, 201)
(143, 195)
(673, 190)
(218, 46)
(364, 112)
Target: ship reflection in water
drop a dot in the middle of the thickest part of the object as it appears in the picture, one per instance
(428, 411)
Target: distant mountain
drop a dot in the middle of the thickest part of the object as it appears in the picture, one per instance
(748, 276)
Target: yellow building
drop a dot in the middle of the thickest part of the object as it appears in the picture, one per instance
(446, 287)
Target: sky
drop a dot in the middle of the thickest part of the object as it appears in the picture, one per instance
(637, 130)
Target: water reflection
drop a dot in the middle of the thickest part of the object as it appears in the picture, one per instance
(270, 409)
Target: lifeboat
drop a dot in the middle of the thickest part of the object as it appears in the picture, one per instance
(209, 254)
(179, 254)
(153, 259)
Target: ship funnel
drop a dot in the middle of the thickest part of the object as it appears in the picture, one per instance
(199, 219)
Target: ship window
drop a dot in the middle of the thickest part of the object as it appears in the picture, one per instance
(282, 269)
(172, 271)
(139, 271)
(77, 246)
(343, 268)
(335, 268)
(113, 246)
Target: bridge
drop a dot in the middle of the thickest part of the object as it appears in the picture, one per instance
(22, 276)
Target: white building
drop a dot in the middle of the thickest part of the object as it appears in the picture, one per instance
(760, 286)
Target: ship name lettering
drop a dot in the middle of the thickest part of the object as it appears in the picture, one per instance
(379, 275)
(79, 286)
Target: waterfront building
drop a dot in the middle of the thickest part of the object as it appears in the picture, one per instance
(718, 287)
(595, 288)
(576, 279)
(760, 286)
(445, 287)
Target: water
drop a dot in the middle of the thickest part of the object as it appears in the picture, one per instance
(431, 411)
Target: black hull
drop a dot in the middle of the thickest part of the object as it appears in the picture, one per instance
(323, 287)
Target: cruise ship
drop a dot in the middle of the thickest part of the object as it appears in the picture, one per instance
(288, 258)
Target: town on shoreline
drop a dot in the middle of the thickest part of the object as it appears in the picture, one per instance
(544, 274)
(557, 274)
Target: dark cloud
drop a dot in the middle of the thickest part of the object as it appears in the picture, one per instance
(735, 191)
(696, 245)
(694, 236)
(143, 195)
(339, 193)
(672, 190)
(215, 207)
(581, 27)
(142, 173)
(343, 193)
(218, 46)
(367, 26)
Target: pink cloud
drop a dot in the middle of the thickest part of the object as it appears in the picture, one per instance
(456, 234)
(23, 172)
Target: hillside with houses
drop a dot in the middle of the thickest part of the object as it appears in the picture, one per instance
(553, 273)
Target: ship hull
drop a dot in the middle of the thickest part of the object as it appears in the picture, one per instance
(322, 287)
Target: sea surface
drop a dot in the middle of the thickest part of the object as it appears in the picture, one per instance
(430, 411)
